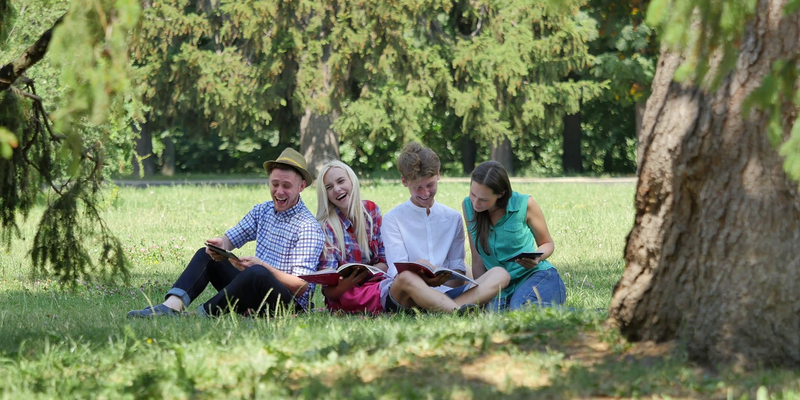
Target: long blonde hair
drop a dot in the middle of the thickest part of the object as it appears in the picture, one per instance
(326, 213)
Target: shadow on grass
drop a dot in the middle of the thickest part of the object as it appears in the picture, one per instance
(530, 354)
(585, 367)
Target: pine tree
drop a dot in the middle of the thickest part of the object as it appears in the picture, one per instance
(88, 46)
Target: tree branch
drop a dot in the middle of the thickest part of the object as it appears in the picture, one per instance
(9, 73)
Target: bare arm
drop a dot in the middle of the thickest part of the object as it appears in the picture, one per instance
(535, 220)
(382, 266)
(295, 285)
(478, 269)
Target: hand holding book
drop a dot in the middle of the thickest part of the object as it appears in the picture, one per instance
(442, 273)
(331, 277)
(527, 260)
(219, 250)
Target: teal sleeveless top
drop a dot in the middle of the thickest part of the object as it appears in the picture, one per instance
(510, 236)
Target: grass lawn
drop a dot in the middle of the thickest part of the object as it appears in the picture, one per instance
(57, 342)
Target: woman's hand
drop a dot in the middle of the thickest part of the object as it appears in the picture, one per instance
(246, 262)
(529, 263)
(356, 278)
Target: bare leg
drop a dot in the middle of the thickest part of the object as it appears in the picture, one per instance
(489, 285)
(174, 302)
(411, 291)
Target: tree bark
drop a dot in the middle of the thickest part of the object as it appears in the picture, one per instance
(144, 164)
(501, 152)
(168, 157)
(640, 109)
(469, 154)
(10, 72)
(712, 257)
(318, 141)
(571, 146)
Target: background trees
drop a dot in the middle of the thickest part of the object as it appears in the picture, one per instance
(221, 86)
(68, 155)
(246, 76)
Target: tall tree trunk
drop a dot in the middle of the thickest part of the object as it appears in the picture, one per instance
(501, 152)
(469, 154)
(712, 258)
(168, 157)
(144, 163)
(571, 158)
(640, 109)
(318, 141)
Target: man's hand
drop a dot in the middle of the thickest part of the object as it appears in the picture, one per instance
(437, 280)
(246, 262)
(529, 263)
(219, 242)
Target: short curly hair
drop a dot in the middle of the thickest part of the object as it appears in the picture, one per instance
(417, 161)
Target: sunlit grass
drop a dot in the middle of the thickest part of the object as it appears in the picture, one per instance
(75, 342)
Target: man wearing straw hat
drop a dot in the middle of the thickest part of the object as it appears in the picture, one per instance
(288, 239)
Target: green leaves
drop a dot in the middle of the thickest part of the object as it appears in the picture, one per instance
(701, 29)
(91, 48)
(8, 142)
(791, 152)
(8, 16)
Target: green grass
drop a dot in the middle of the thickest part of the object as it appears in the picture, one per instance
(57, 342)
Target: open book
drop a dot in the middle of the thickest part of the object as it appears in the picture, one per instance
(431, 271)
(330, 276)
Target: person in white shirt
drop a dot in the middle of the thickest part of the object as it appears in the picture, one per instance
(425, 231)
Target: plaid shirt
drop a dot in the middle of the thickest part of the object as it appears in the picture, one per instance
(290, 241)
(332, 257)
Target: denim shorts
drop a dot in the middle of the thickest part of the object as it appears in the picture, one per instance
(544, 289)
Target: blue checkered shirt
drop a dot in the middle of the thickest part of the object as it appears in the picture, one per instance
(290, 241)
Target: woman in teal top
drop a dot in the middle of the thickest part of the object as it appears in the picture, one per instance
(502, 224)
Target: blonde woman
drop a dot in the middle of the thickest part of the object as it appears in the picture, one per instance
(352, 230)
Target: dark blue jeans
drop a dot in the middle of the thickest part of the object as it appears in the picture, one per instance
(543, 288)
(242, 292)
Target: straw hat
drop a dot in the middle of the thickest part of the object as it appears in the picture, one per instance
(293, 159)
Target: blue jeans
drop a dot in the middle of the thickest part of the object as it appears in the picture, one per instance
(543, 288)
(243, 291)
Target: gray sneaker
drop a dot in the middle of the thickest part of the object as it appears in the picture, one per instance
(158, 310)
(201, 312)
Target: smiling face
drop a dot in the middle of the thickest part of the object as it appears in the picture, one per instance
(339, 188)
(482, 197)
(285, 187)
(423, 190)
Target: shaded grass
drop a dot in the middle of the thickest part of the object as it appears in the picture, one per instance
(74, 342)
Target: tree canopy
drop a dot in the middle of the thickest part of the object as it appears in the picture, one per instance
(230, 81)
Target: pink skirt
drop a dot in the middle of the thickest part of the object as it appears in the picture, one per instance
(359, 299)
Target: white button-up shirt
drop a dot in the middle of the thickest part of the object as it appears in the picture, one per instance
(410, 233)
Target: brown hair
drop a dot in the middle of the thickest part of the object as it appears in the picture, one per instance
(416, 161)
(493, 175)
